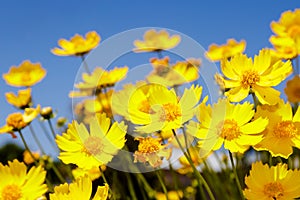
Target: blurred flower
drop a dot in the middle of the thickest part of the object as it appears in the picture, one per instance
(61, 121)
(26, 74)
(292, 90)
(276, 182)
(77, 46)
(287, 34)
(47, 112)
(150, 150)
(172, 195)
(156, 41)
(219, 52)
(244, 76)
(229, 124)
(17, 183)
(81, 188)
(18, 121)
(96, 148)
(27, 158)
(22, 100)
(92, 173)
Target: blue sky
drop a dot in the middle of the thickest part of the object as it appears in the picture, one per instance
(29, 29)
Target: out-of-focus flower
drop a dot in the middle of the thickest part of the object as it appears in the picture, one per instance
(22, 100)
(93, 173)
(150, 150)
(96, 148)
(26, 74)
(18, 121)
(219, 52)
(80, 188)
(276, 182)
(27, 158)
(286, 40)
(227, 124)
(47, 112)
(292, 90)
(156, 41)
(172, 195)
(61, 121)
(17, 183)
(282, 132)
(77, 46)
(243, 76)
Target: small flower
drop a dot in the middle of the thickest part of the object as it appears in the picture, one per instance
(27, 158)
(219, 52)
(96, 148)
(80, 188)
(22, 100)
(17, 183)
(150, 150)
(172, 195)
(292, 90)
(284, 47)
(47, 112)
(156, 41)
(61, 121)
(276, 182)
(92, 173)
(26, 74)
(77, 46)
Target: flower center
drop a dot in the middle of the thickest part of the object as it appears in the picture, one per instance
(11, 192)
(249, 78)
(294, 31)
(16, 120)
(285, 129)
(229, 129)
(145, 106)
(170, 112)
(297, 92)
(149, 145)
(93, 146)
(273, 190)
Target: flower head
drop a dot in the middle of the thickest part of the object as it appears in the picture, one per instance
(93, 173)
(156, 41)
(28, 158)
(17, 183)
(292, 90)
(22, 100)
(276, 182)
(77, 46)
(26, 74)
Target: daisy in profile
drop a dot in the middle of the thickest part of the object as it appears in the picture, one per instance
(17, 183)
(276, 182)
(89, 149)
(22, 100)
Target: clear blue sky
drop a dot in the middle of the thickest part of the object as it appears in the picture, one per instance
(29, 29)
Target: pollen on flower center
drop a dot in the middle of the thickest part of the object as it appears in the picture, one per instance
(170, 112)
(16, 120)
(285, 129)
(148, 145)
(273, 190)
(249, 78)
(229, 129)
(145, 106)
(93, 145)
(11, 192)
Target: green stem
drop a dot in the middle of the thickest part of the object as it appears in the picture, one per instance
(131, 187)
(162, 183)
(48, 136)
(27, 148)
(51, 128)
(236, 177)
(57, 173)
(86, 67)
(36, 139)
(105, 181)
(255, 101)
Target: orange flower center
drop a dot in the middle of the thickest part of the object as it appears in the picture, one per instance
(294, 31)
(11, 192)
(273, 190)
(285, 129)
(16, 121)
(249, 78)
(171, 112)
(149, 145)
(145, 106)
(229, 129)
(93, 145)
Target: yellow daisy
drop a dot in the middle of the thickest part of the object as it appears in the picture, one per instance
(77, 46)
(96, 148)
(227, 124)
(92, 173)
(22, 100)
(156, 41)
(17, 183)
(269, 183)
(81, 188)
(27, 158)
(219, 52)
(244, 76)
(284, 47)
(292, 90)
(26, 74)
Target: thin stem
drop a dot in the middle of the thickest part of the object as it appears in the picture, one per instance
(36, 139)
(57, 173)
(236, 176)
(162, 183)
(27, 148)
(105, 181)
(51, 128)
(131, 187)
(159, 53)
(86, 67)
(48, 135)
(255, 101)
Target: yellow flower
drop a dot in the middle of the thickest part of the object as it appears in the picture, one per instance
(172, 195)
(17, 183)
(26, 74)
(162, 110)
(244, 76)
(227, 124)
(81, 188)
(92, 173)
(77, 46)
(156, 41)
(283, 131)
(219, 52)
(292, 90)
(96, 148)
(276, 182)
(18, 121)
(22, 100)
(150, 150)
(27, 158)
(287, 34)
